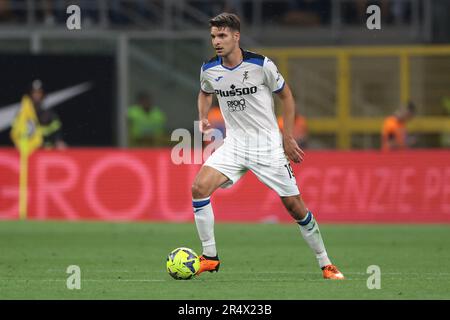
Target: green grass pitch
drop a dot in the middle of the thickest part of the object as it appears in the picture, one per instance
(259, 261)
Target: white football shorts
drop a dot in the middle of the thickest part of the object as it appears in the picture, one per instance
(270, 167)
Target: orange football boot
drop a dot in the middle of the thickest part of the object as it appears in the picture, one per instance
(331, 272)
(210, 264)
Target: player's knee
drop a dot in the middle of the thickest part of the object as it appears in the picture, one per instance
(295, 208)
(199, 190)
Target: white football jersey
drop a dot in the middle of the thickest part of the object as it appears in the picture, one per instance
(245, 98)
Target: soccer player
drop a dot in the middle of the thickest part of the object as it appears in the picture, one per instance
(243, 82)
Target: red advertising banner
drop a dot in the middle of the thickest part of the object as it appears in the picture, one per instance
(114, 184)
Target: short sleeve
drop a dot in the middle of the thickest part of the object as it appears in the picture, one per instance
(272, 77)
(205, 85)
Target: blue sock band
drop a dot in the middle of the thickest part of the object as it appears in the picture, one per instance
(307, 219)
(200, 203)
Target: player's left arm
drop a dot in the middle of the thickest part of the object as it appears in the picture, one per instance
(291, 147)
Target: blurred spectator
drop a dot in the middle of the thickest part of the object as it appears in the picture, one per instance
(117, 9)
(6, 13)
(235, 6)
(300, 130)
(394, 135)
(401, 11)
(128, 12)
(308, 12)
(147, 123)
(49, 121)
(209, 8)
(47, 8)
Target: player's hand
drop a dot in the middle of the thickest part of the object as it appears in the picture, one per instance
(292, 150)
(204, 126)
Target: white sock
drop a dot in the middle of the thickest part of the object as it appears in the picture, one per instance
(204, 219)
(311, 233)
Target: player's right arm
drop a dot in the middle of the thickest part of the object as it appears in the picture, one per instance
(204, 102)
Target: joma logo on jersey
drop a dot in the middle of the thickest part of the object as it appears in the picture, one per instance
(236, 91)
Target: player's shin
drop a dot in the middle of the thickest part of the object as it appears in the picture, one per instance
(204, 220)
(311, 233)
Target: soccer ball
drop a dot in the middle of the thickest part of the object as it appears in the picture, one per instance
(183, 263)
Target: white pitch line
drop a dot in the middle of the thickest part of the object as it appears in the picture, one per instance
(209, 280)
(264, 272)
(87, 280)
(99, 270)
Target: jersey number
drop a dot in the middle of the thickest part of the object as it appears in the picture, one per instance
(290, 171)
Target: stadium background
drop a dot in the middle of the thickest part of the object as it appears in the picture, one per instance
(345, 77)
(346, 80)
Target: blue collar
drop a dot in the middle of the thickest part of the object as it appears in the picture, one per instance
(231, 69)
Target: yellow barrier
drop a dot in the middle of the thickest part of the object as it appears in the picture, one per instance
(344, 124)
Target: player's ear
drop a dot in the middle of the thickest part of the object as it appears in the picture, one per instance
(237, 35)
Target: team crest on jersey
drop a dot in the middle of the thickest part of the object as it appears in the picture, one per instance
(245, 76)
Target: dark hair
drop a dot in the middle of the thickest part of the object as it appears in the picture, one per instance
(226, 19)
